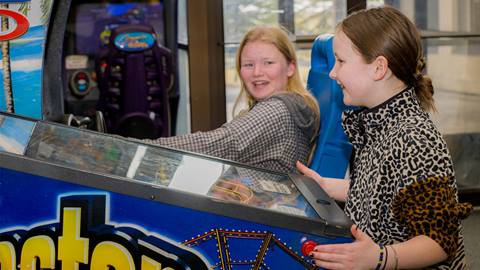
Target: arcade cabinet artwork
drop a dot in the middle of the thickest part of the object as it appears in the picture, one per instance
(23, 33)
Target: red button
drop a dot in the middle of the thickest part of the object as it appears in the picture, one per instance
(308, 247)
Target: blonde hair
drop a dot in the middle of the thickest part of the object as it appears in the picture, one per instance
(279, 38)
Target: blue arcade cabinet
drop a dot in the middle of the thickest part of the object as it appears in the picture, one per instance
(76, 197)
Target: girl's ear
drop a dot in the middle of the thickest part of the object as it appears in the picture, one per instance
(381, 68)
(290, 69)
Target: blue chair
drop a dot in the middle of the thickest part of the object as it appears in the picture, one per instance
(333, 150)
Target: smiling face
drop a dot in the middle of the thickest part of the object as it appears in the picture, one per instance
(352, 72)
(264, 70)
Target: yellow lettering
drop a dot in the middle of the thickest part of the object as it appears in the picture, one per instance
(41, 248)
(72, 249)
(7, 256)
(150, 264)
(110, 254)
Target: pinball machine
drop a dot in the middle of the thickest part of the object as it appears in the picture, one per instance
(85, 199)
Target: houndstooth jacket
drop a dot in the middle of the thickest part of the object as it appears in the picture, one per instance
(273, 135)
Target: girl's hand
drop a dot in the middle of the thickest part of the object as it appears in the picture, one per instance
(335, 188)
(308, 172)
(363, 253)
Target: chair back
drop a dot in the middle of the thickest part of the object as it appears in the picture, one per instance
(333, 150)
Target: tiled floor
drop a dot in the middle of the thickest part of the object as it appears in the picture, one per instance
(472, 239)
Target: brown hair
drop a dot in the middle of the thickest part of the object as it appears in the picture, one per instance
(278, 37)
(386, 31)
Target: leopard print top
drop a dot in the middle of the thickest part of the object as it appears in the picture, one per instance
(402, 181)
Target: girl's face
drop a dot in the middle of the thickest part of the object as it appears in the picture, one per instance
(351, 72)
(264, 69)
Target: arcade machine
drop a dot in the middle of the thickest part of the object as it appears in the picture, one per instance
(119, 69)
(93, 64)
(76, 198)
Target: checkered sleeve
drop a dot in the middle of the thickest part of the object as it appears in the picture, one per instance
(250, 138)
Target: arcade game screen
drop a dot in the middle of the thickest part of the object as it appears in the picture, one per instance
(228, 181)
(93, 22)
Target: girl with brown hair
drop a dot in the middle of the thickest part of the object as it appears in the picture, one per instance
(401, 193)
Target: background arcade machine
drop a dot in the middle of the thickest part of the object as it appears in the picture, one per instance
(134, 75)
(121, 204)
(119, 64)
